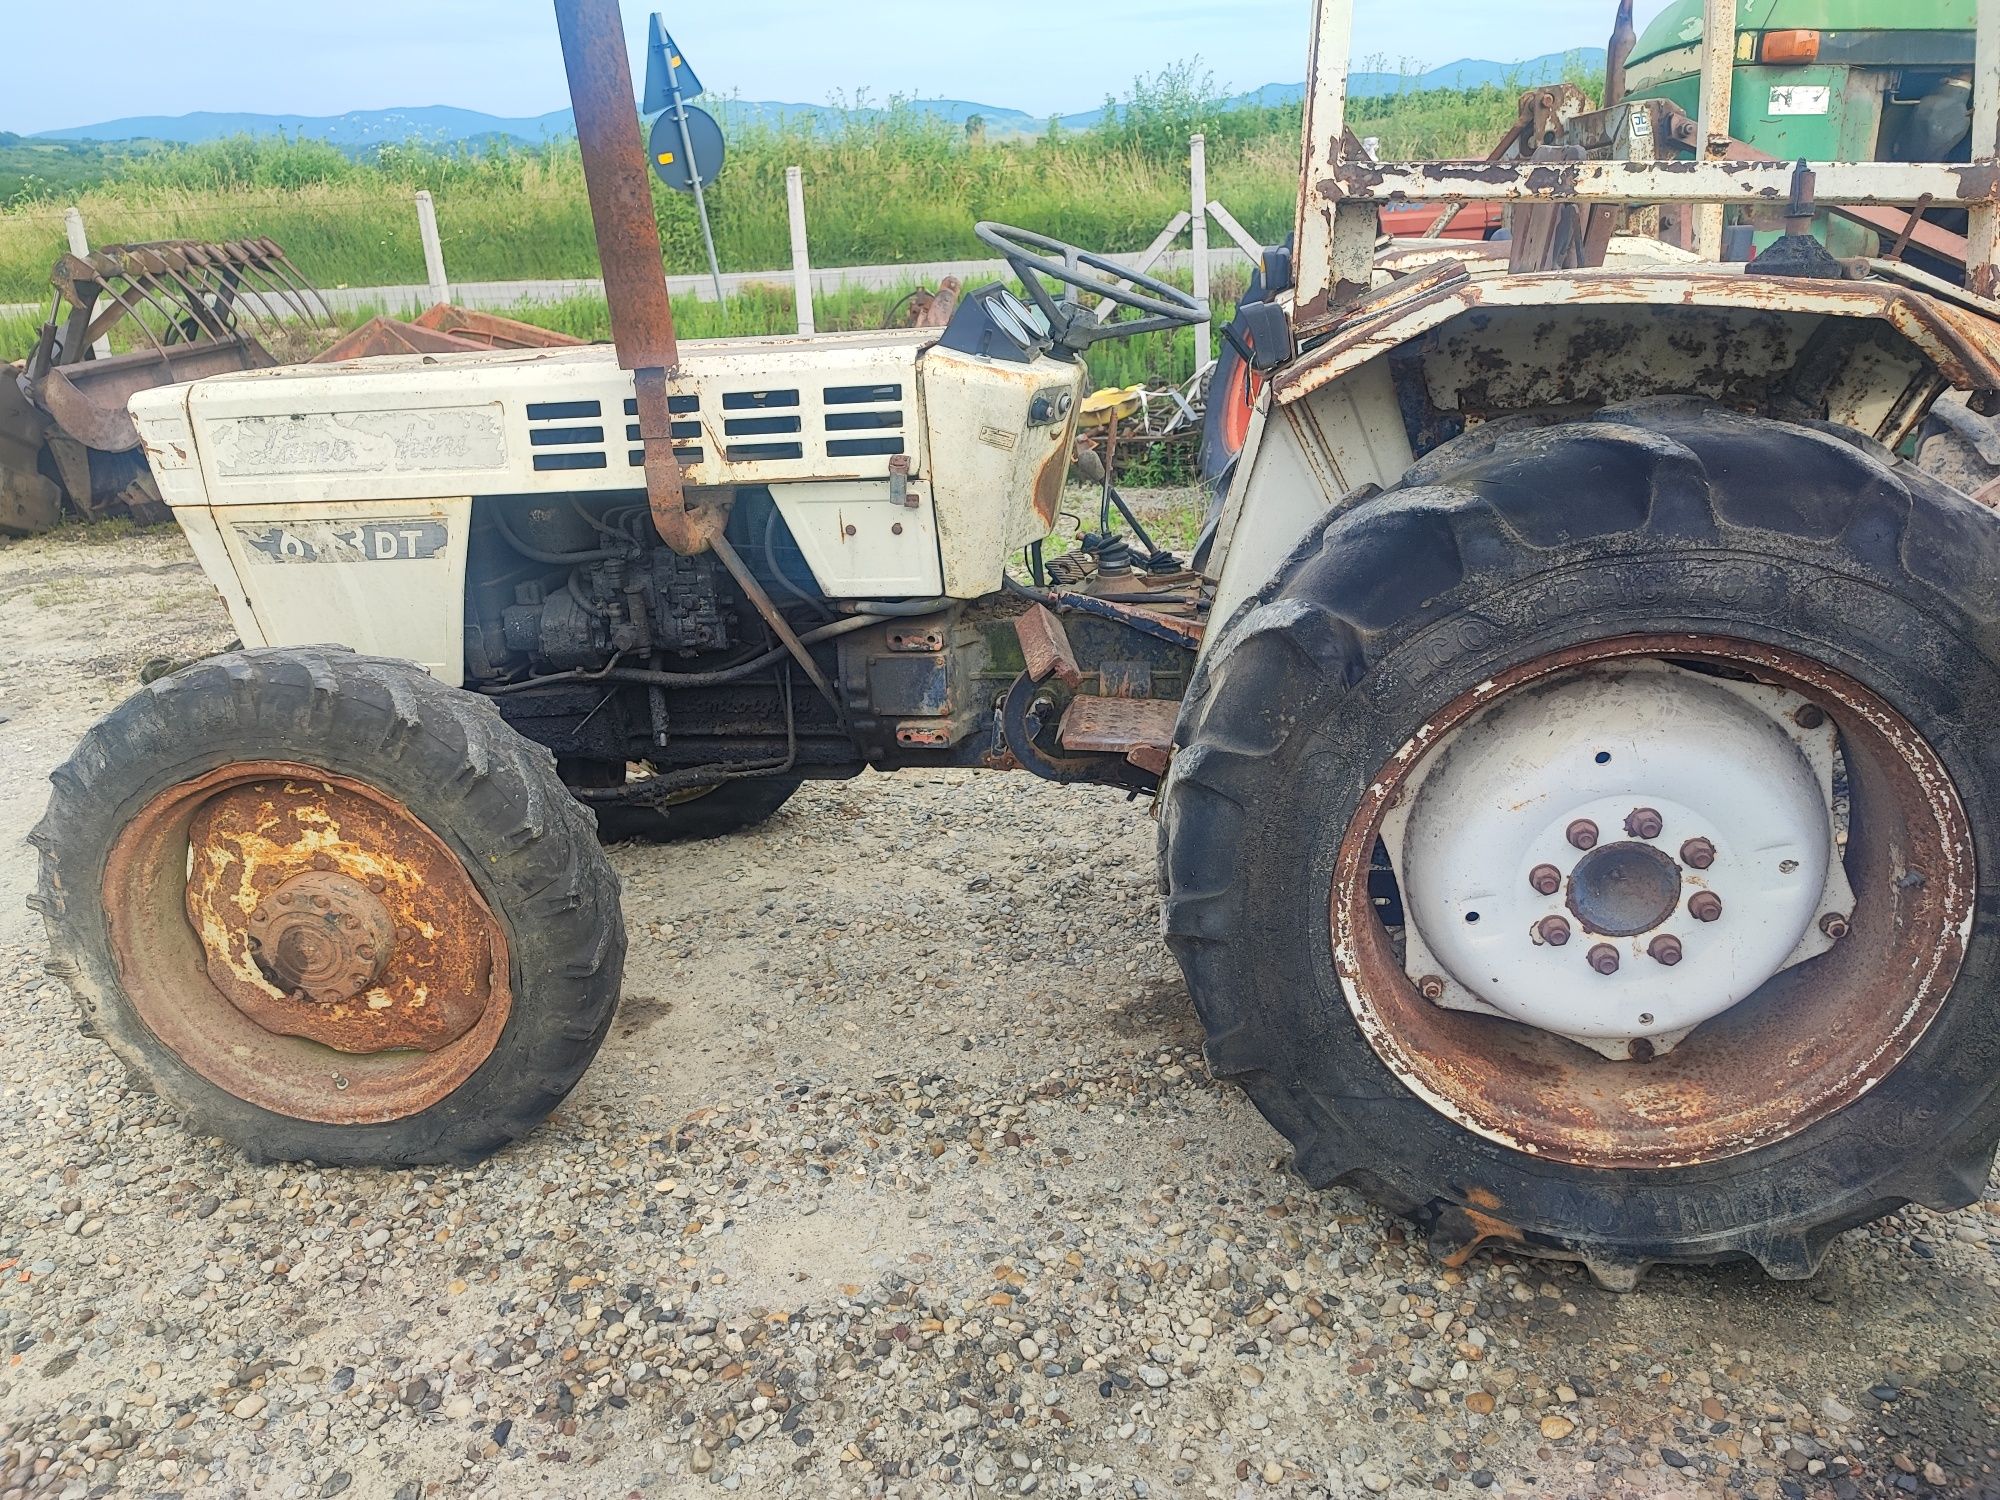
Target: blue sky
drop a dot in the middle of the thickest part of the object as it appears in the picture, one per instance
(311, 57)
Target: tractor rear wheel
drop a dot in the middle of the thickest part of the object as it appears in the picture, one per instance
(330, 909)
(1587, 845)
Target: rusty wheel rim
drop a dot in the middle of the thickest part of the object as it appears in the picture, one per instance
(306, 943)
(1812, 1040)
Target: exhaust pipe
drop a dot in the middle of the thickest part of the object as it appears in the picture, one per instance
(620, 186)
(1624, 37)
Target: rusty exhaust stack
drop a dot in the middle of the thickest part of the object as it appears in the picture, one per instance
(1624, 37)
(628, 248)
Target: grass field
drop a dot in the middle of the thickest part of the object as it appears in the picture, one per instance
(882, 190)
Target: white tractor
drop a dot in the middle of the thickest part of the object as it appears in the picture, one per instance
(1572, 741)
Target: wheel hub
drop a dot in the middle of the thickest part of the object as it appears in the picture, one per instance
(1622, 889)
(1506, 848)
(323, 934)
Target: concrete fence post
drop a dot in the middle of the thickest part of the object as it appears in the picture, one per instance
(79, 245)
(1198, 169)
(427, 225)
(802, 281)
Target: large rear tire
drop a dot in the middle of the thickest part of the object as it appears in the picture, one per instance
(1741, 550)
(330, 909)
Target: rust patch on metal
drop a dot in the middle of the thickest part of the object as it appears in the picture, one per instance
(1049, 478)
(304, 942)
(1046, 646)
(288, 875)
(1813, 1039)
(1183, 629)
(1962, 344)
(1119, 724)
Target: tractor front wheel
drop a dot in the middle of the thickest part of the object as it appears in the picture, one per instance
(330, 909)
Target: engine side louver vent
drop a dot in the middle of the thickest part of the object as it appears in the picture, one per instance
(565, 435)
(684, 432)
(864, 421)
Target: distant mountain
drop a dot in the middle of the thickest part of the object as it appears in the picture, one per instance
(437, 124)
(444, 125)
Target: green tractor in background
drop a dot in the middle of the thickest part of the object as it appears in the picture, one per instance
(1825, 80)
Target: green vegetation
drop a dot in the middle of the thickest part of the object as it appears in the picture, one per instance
(895, 187)
(1147, 360)
(32, 169)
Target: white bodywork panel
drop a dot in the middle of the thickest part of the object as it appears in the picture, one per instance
(388, 580)
(297, 485)
(987, 449)
(1297, 461)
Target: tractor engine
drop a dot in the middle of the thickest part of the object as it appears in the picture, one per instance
(579, 587)
(664, 602)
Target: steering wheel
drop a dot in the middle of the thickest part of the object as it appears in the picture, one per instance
(1034, 256)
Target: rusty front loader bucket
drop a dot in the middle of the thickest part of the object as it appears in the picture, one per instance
(184, 309)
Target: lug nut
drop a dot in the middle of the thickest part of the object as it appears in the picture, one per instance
(1644, 823)
(1546, 879)
(1697, 854)
(1809, 717)
(1705, 906)
(1834, 925)
(1582, 833)
(1431, 987)
(1604, 959)
(1552, 930)
(1664, 949)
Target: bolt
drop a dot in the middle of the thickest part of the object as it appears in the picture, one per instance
(1546, 878)
(406, 934)
(1705, 906)
(1604, 959)
(377, 884)
(1834, 925)
(1639, 1049)
(365, 950)
(260, 916)
(1644, 823)
(1810, 717)
(339, 1081)
(1552, 930)
(1697, 854)
(1431, 987)
(1582, 833)
(323, 862)
(1664, 949)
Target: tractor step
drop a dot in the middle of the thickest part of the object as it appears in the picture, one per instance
(1140, 729)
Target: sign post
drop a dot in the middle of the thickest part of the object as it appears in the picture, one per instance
(687, 147)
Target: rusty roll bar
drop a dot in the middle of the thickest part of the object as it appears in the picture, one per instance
(619, 183)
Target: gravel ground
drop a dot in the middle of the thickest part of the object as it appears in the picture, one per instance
(900, 1174)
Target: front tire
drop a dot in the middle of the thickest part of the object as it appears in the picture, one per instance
(1741, 548)
(330, 909)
